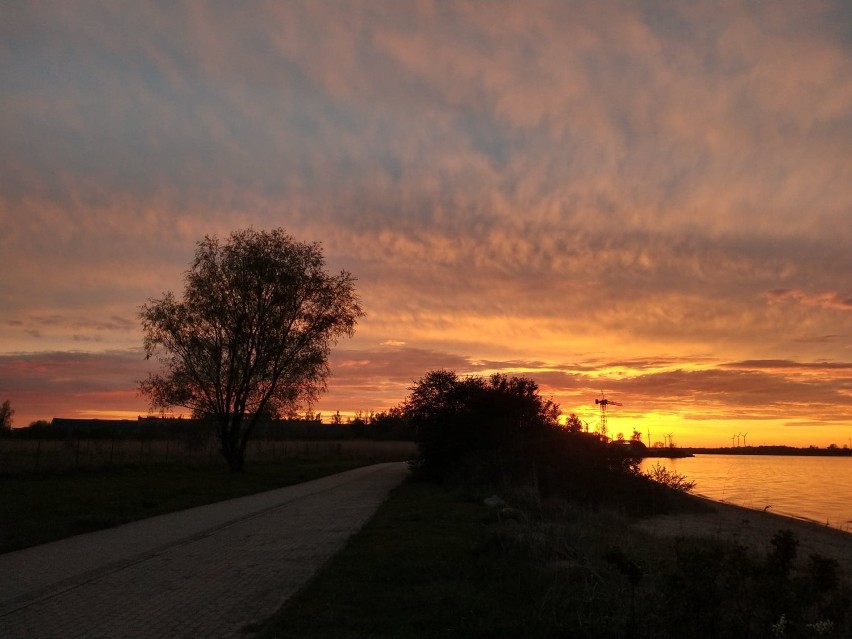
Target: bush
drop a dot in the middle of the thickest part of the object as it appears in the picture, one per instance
(669, 478)
(500, 431)
(739, 595)
(455, 417)
(582, 468)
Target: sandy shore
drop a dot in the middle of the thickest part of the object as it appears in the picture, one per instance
(754, 529)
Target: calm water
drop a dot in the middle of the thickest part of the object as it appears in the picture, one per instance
(818, 488)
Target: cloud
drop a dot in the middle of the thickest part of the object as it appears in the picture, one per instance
(81, 371)
(67, 384)
(790, 365)
(827, 300)
(747, 390)
(610, 184)
(819, 339)
(43, 385)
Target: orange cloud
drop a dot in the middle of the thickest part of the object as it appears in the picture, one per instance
(821, 300)
(586, 182)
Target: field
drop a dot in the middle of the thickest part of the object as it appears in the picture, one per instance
(43, 455)
(54, 489)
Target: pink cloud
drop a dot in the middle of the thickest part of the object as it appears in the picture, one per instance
(525, 183)
(828, 300)
(64, 384)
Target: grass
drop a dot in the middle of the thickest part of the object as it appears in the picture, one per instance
(37, 508)
(436, 562)
(33, 455)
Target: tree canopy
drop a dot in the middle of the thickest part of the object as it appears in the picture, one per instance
(456, 416)
(252, 334)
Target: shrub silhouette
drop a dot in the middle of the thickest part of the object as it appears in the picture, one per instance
(741, 595)
(455, 417)
(670, 478)
(500, 430)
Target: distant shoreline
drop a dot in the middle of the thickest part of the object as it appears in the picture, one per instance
(780, 451)
(777, 451)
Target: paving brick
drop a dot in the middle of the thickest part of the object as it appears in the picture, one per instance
(206, 572)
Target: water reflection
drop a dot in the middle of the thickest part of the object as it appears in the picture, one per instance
(817, 488)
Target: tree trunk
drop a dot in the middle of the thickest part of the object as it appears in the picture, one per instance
(229, 436)
(235, 458)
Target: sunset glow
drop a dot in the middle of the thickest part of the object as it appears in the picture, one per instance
(650, 201)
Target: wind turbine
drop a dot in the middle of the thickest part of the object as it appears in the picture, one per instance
(733, 437)
(671, 443)
(603, 402)
(744, 439)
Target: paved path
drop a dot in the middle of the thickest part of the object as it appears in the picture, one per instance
(211, 571)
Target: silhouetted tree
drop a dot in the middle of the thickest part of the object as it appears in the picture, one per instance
(252, 334)
(454, 416)
(573, 424)
(6, 414)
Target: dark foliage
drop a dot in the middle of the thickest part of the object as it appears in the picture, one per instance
(251, 336)
(454, 417)
(581, 468)
(718, 590)
(386, 425)
(500, 429)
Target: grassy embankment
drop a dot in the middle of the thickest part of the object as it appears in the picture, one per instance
(435, 561)
(50, 505)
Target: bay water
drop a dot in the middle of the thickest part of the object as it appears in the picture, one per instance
(807, 487)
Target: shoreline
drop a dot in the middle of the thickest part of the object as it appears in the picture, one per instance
(778, 513)
(754, 529)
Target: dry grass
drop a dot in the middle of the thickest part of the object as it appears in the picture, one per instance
(24, 456)
(435, 561)
(753, 529)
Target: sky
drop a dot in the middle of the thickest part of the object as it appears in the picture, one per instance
(644, 199)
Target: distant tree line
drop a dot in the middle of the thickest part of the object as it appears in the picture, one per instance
(383, 426)
(833, 450)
